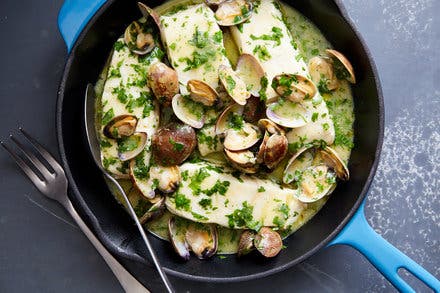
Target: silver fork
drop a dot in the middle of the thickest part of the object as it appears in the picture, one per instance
(54, 185)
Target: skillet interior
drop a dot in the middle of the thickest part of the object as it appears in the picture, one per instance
(113, 225)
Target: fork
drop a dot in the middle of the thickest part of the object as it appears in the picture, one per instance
(53, 184)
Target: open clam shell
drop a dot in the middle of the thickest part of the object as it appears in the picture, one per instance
(234, 85)
(243, 138)
(138, 41)
(244, 161)
(233, 12)
(202, 239)
(322, 73)
(333, 160)
(275, 150)
(147, 12)
(177, 231)
(166, 179)
(294, 87)
(121, 126)
(188, 111)
(226, 119)
(253, 110)
(342, 66)
(202, 92)
(156, 210)
(270, 127)
(314, 183)
(251, 72)
(288, 114)
(131, 146)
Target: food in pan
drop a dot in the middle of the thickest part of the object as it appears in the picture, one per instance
(228, 123)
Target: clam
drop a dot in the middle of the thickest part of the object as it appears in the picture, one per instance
(177, 235)
(121, 126)
(294, 87)
(314, 183)
(313, 172)
(342, 67)
(138, 41)
(262, 148)
(166, 179)
(131, 146)
(244, 161)
(163, 82)
(275, 150)
(202, 239)
(268, 242)
(202, 92)
(288, 114)
(234, 85)
(156, 210)
(270, 127)
(214, 3)
(188, 111)
(253, 110)
(233, 12)
(173, 143)
(246, 243)
(250, 71)
(147, 12)
(322, 73)
(238, 139)
(333, 160)
(231, 117)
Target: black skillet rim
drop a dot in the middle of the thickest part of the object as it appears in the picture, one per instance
(324, 242)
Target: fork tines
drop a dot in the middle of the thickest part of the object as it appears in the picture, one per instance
(32, 162)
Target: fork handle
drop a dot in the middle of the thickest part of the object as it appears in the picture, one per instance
(127, 281)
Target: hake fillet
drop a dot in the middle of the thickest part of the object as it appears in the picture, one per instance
(267, 38)
(212, 194)
(194, 43)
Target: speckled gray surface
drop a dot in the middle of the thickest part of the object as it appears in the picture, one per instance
(42, 251)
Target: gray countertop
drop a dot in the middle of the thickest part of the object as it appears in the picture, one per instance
(41, 250)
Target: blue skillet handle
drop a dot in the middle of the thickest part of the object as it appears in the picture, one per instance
(384, 256)
(73, 17)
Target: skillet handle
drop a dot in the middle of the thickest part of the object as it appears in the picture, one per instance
(73, 17)
(384, 256)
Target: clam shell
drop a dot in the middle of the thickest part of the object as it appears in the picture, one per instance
(137, 41)
(222, 121)
(268, 242)
(168, 178)
(235, 87)
(275, 150)
(130, 147)
(233, 12)
(244, 161)
(177, 238)
(156, 210)
(202, 92)
(288, 114)
(251, 72)
(270, 127)
(241, 139)
(315, 183)
(121, 126)
(190, 113)
(345, 63)
(332, 159)
(321, 70)
(294, 87)
(246, 243)
(202, 240)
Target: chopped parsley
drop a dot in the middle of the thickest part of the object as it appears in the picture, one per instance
(220, 187)
(109, 161)
(276, 36)
(205, 203)
(182, 203)
(218, 37)
(235, 121)
(199, 217)
(210, 141)
(230, 83)
(108, 116)
(243, 218)
(197, 179)
(118, 46)
(261, 189)
(105, 143)
(264, 82)
(128, 144)
(262, 52)
(314, 116)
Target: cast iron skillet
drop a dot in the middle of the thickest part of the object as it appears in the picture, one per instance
(91, 27)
